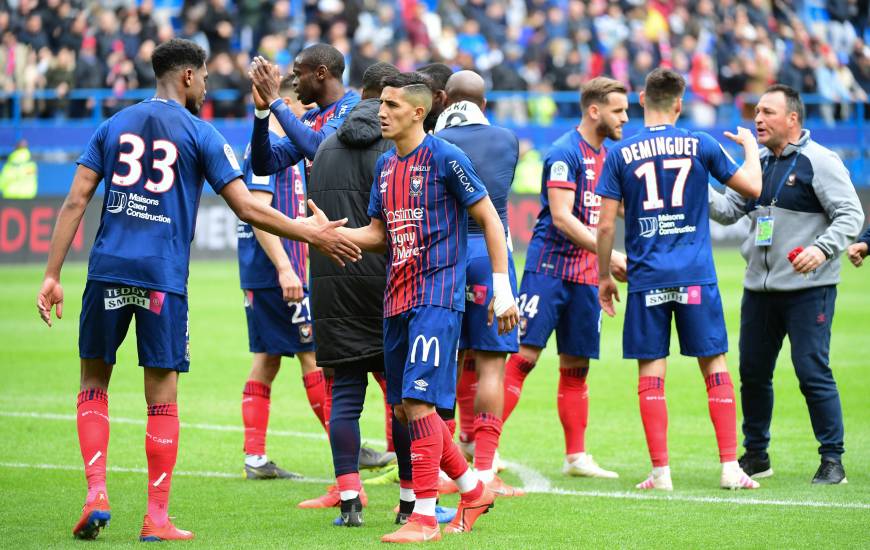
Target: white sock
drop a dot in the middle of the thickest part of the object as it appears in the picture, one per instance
(255, 461)
(407, 494)
(348, 495)
(580, 456)
(443, 475)
(731, 466)
(486, 475)
(467, 481)
(425, 506)
(659, 471)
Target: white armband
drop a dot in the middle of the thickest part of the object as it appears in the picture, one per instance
(262, 114)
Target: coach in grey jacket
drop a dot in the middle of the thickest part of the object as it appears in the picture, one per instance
(806, 216)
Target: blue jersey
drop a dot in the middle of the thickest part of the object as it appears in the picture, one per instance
(661, 174)
(287, 187)
(422, 199)
(493, 152)
(303, 137)
(575, 165)
(153, 157)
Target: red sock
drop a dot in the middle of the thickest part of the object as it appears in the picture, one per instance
(315, 389)
(161, 449)
(388, 412)
(573, 404)
(92, 420)
(452, 461)
(349, 482)
(515, 372)
(487, 430)
(255, 416)
(654, 414)
(466, 390)
(723, 413)
(427, 445)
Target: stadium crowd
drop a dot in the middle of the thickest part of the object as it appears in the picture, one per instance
(722, 48)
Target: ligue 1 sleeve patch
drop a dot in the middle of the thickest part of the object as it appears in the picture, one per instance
(231, 156)
(306, 335)
(559, 171)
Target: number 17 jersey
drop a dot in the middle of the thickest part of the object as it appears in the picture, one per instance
(153, 157)
(661, 174)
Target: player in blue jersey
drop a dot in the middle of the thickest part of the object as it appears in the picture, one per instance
(418, 204)
(559, 288)
(660, 175)
(273, 276)
(317, 74)
(493, 151)
(153, 156)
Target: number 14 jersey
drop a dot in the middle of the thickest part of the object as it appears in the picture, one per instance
(661, 174)
(153, 157)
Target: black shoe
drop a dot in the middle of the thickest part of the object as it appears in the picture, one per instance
(269, 470)
(830, 472)
(756, 464)
(370, 459)
(351, 513)
(405, 510)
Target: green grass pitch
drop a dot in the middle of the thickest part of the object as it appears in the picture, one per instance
(43, 485)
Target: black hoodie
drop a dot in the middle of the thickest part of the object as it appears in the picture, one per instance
(347, 303)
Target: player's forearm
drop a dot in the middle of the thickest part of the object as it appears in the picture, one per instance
(262, 161)
(604, 247)
(577, 233)
(304, 138)
(496, 244)
(752, 168)
(271, 245)
(367, 238)
(68, 220)
(266, 218)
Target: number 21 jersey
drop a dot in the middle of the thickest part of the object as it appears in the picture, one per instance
(153, 157)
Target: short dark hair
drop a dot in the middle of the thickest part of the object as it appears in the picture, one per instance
(176, 54)
(326, 55)
(596, 91)
(414, 84)
(663, 87)
(793, 101)
(374, 76)
(439, 73)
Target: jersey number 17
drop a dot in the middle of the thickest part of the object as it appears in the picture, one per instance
(647, 171)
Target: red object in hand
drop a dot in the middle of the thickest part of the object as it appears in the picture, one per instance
(794, 253)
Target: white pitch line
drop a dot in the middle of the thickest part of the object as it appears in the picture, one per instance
(122, 470)
(533, 481)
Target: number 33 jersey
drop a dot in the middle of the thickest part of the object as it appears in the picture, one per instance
(661, 174)
(153, 157)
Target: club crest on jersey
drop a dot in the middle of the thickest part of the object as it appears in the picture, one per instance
(306, 335)
(416, 186)
(524, 323)
(791, 179)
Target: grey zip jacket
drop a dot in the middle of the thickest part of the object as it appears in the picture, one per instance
(810, 196)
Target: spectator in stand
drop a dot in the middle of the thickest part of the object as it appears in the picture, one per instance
(89, 73)
(13, 60)
(60, 77)
(218, 26)
(33, 34)
(142, 63)
(107, 33)
(224, 75)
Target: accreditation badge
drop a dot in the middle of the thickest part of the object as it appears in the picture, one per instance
(764, 231)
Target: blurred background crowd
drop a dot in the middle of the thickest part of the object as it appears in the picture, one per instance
(725, 48)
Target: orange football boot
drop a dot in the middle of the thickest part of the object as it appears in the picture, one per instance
(446, 486)
(95, 516)
(167, 531)
(414, 531)
(332, 499)
(502, 489)
(468, 512)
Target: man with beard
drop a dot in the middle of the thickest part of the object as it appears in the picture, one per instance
(559, 287)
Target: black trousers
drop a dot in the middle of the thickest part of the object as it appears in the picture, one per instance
(806, 317)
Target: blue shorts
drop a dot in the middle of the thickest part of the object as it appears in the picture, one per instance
(572, 309)
(697, 311)
(478, 293)
(277, 327)
(162, 336)
(420, 349)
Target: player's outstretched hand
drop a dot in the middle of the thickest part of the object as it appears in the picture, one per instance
(291, 286)
(259, 103)
(744, 136)
(857, 252)
(266, 79)
(328, 240)
(50, 295)
(809, 259)
(619, 266)
(506, 321)
(607, 292)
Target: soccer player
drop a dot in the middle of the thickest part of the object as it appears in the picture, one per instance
(558, 290)
(417, 208)
(661, 174)
(153, 156)
(857, 251)
(272, 272)
(493, 151)
(317, 74)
